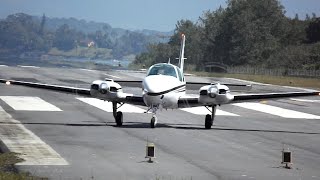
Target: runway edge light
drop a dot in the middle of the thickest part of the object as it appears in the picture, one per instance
(287, 158)
(150, 151)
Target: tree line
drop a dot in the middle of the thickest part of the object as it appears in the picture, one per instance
(245, 33)
(23, 33)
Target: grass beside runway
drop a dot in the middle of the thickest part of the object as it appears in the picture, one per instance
(9, 172)
(277, 80)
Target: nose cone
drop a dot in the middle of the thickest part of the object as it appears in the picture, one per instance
(158, 84)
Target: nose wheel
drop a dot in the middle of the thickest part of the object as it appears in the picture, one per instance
(153, 121)
(210, 118)
(118, 116)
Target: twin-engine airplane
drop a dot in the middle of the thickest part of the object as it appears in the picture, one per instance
(164, 87)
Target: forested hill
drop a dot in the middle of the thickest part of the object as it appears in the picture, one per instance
(245, 33)
(21, 33)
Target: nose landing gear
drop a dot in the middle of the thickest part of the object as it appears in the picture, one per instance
(118, 116)
(210, 118)
(154, 119)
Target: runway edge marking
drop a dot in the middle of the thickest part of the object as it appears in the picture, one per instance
(17, 138)
(277, 111)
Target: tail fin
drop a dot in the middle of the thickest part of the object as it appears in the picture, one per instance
(182, 58)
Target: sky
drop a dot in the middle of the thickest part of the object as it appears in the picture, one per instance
(160, 15)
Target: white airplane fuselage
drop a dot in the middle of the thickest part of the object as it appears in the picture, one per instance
(162, 91)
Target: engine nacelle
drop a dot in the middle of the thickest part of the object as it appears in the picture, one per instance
(105, 90)
(215, 94)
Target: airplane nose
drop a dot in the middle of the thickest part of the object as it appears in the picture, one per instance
(156, 85)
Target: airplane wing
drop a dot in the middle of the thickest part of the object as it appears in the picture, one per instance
(126, 98)
(193, 100)
(191, 85)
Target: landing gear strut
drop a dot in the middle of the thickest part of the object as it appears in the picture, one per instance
(118, 116)
(210, 118)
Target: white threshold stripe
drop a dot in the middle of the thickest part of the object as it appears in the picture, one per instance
(28, 103)
(17, 138)
(28, 66)
(277, 111)
(203, 111)
(90, 70)
(112, 76)
(304, 100)
(107, 106)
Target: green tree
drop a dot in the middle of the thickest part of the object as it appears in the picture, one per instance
(313, 31)
(65, 38)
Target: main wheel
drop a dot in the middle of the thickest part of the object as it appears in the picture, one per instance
(119, 118)
(208, 122)
(153, 122)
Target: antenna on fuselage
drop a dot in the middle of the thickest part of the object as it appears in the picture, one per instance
(169, 61)
(181, 57)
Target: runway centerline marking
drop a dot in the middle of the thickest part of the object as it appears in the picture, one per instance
(286, 113)
(112, 76)
(28, 103)
(107, 106)
(17, 138)
(203, 111)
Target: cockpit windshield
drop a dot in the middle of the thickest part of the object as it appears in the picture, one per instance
(163, 69)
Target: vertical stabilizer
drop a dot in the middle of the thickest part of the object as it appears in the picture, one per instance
(181, 58)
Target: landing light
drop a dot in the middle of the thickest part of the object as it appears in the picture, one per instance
(8, 83)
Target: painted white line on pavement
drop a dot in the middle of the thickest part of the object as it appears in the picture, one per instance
(90, 70)
(304, 100)
(203, 111)
(29, 147)
(28, 66)
(1, 65)
(28, 103)
(286, 113)
(112, 76)
(107, 106)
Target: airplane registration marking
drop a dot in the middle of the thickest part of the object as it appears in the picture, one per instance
(28, 103)
(17, 138)
(286, 113)
(203, 111)
(107, 106)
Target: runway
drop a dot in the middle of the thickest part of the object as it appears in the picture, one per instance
(66, 136)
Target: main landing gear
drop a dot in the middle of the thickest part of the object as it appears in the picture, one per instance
(118, 116)
(210, 118)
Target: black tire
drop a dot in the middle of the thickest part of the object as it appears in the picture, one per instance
(119, 118)
(153, 122)
(208, 121)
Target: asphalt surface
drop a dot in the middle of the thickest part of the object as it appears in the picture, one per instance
(247, 146)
